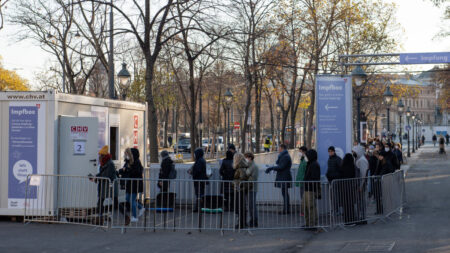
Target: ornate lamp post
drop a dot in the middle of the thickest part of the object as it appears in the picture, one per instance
(360, 78)
(124, 79)
(408, 115)
(279, 106)
(401, 108)
(388, 96)
(228, 99)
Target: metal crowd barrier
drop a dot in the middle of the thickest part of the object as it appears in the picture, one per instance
(186, 204)
(79, 200)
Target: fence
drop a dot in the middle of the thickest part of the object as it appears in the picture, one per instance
(185, 204)
(68, 199)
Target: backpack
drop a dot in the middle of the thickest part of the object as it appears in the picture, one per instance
(267, 141)
(173, 172)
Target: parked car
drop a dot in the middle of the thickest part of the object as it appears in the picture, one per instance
(218, 144)
(183, 145)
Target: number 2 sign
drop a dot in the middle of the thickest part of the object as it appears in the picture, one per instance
(79, 147)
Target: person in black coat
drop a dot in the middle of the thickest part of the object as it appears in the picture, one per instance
(312, 189)
(284, 177)
(199, 176)
(391, 156)
(348, 188)
(227, 173)
(166, 167)
(131, 173)
(384, 167)
(334, 165)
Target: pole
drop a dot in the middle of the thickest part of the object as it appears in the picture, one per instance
(111, 54)
(400, 134)
(388, 125)
(201, 118)
(227, 120)
(358, 99)
(409, 154)
(278, 130)
(304, 127)
(414, 137)
(64, 65)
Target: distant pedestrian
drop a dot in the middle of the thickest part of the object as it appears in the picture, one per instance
(434, 140)
(423, 139)
(441, 145)
(447, 138)
(283, 179)
(226, 171)
(252, 173)
(312, 189)
(267, 144)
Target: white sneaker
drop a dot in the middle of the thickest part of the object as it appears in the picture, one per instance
(133, 219)
(141, 212)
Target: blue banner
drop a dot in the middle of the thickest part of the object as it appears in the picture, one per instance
(23, 135)
(333, 117)
(425, 58)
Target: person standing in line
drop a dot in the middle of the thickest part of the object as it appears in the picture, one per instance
(312, 190)
(362, 165)
(434, 139)
(284, 177)
(226, 171)
(301, 172)
(398, 153)
(240, 166)
(199, 176)
(252, 173)
(107, 170)
(167, 166)
(132, 175)
(334, 172)
(348, 188)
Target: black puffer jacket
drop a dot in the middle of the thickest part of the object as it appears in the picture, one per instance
(199, 168)
(166, 167)
(312, 172)
(334, 168)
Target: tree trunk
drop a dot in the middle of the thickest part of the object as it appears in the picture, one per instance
(258, 90)
(309, 131)
(166, 126)
(151, 114)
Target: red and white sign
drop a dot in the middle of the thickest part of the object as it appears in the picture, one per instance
(135, 138)
(136, 121)
(79, 132)
(237, 125)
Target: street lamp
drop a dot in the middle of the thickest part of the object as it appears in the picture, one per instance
(408, 115)
(279, 107)
(417, 132)
(228, 99)
(124, 79)
(359, 76)
(413, 117)
(388, 101)
(401, 108)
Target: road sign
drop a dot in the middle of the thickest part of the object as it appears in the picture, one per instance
(407, 128)
(237, 125)
(425, 58)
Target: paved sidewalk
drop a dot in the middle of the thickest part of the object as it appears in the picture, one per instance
(423, 226)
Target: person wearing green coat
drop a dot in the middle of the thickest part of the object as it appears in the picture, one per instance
(301, 170)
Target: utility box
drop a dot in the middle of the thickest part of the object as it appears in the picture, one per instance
(60, 134)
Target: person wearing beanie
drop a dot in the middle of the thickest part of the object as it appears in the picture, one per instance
(107, 170)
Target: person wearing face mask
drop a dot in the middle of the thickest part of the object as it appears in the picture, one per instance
(301, 170)
(390, 155)
(132, 173)
(252, 173)
(398, 153)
